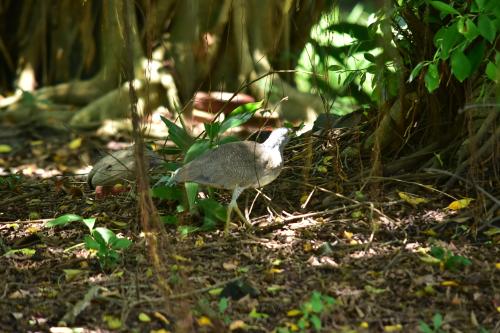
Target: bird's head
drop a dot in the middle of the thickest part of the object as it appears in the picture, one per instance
(278, 138)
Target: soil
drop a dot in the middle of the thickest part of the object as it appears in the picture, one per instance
(326, 249)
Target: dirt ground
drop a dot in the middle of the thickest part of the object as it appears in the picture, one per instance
(329, 249)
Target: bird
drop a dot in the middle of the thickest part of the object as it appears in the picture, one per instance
(118, 167)
(237, 166)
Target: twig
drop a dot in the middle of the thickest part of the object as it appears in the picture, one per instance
(479, 188)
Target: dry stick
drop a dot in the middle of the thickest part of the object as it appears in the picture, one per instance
(479, 188)
(148, 214)
(19, 197)
(487, 145)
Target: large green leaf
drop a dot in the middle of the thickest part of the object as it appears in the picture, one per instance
(432, 77)
(178, 135)
(103, 234)
(460, 65)
(444, 7)
(487, 28)
(476, 55)
(447, 38)
(166, 192)
(239, 116)
(63, 220)
(196, 150)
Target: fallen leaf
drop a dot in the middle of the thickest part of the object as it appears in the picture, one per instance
(5, 149)
(75, 144)
(72, 274)
(449, 283)
(294, 313)
(204, 321)
(215, 291)
(161, 317)
(230, 265)
(113, 322)
(237, 325)
(393, 328)
(411, 198)
(144, 317)
(460, 204)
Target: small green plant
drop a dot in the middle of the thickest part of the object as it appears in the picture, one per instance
(223, 305)
(448, 259)
(437, 321)
(212, 211)
(445, 259)
(102, 240)
(9, 182)
(107, 245)
(310, 313)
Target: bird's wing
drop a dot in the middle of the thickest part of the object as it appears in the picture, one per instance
(228, 166)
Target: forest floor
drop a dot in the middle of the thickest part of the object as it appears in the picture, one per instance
(327, 250)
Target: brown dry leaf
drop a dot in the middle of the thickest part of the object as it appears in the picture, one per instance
(161, 317)
(237, 325)
(230, 265)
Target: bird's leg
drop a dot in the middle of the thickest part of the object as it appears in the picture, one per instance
(242, 216)
(234, 205)
(228, 218)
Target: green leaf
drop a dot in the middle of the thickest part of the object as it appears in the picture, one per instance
(228, 139)
(104, 233)
(476, 55)
(196, 150)
(240, 115)
(460, 65)
(432, 77)
(416, 71)
(121, 243)
(178, 135)
(28, 252)
(350, 78)
(185, 230)
(447, 38)
(91, 243)
(63, 220)
(316, 302)
(491, 71)
(214, 209)
(437, 321)
(223, 304)
(487, 28)
(437, 252)
(316, 322)
(192, 193)
(444, 8)
(166, 193)
(169, 219)
(212, 130)
(424, 328)
(90, 222)
(334, 68)
(370, 57)
(471, 31)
